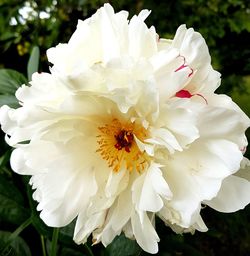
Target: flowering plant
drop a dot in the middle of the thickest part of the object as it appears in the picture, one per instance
(126, 127)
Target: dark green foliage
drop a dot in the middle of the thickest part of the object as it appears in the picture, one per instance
(17, 247)
(123, 246)
(10, 80)
(12, 208)
(33, 62)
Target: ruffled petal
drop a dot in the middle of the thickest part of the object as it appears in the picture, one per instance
(149, 188)
(233, 195)
(145, 234)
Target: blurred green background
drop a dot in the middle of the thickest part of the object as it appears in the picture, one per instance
(225, 24)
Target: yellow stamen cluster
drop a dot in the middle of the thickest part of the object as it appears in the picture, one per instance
(117, 145)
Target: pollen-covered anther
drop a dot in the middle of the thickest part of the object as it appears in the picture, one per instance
(117, 146)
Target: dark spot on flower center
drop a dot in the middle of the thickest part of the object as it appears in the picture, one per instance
(124, 140)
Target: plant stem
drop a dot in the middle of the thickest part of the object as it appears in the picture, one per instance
(13, 235)
(20, 229)
(43, 245)
(54, 241)
(88, 249)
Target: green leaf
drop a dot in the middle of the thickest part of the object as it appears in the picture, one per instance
(9, 100)
(4, 159)
(122, 246)
(17, 247)
(7, 36)
(67, 233)
(10, 80)
(8, 189)
(11, 203)
(10, 211)
(33, 62)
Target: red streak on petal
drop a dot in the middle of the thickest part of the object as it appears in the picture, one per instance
(181, 67)
(183, 94)
(191, 73)
(201, 97)
(187, 94)
(184, 65)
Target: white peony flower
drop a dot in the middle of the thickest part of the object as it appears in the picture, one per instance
(126, 127)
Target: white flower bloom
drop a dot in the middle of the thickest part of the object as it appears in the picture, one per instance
(127, 127)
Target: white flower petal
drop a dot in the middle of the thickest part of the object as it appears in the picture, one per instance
(108, 235)
(195, 53)
(114, 182)
(110, 44)
(233, 195)
(223, 123)
(244, 171)
(142, 42)
(165, 138)
(128, 231)
(18, 162)
(159, 183)
(148, 148)
(145, 234)
(186, 194)
(192, 46)
(221, 149)
(224, 101)
(200, 225)
(169, 81)
(86, 225)
(183, 123)
(148, 189)
(77, 193)
(7, 124)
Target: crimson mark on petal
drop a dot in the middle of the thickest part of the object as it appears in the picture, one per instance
(181, 67)
(187, 94)
(183, 94)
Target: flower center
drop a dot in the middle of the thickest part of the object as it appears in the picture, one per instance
(124, 140)
(116, 144)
